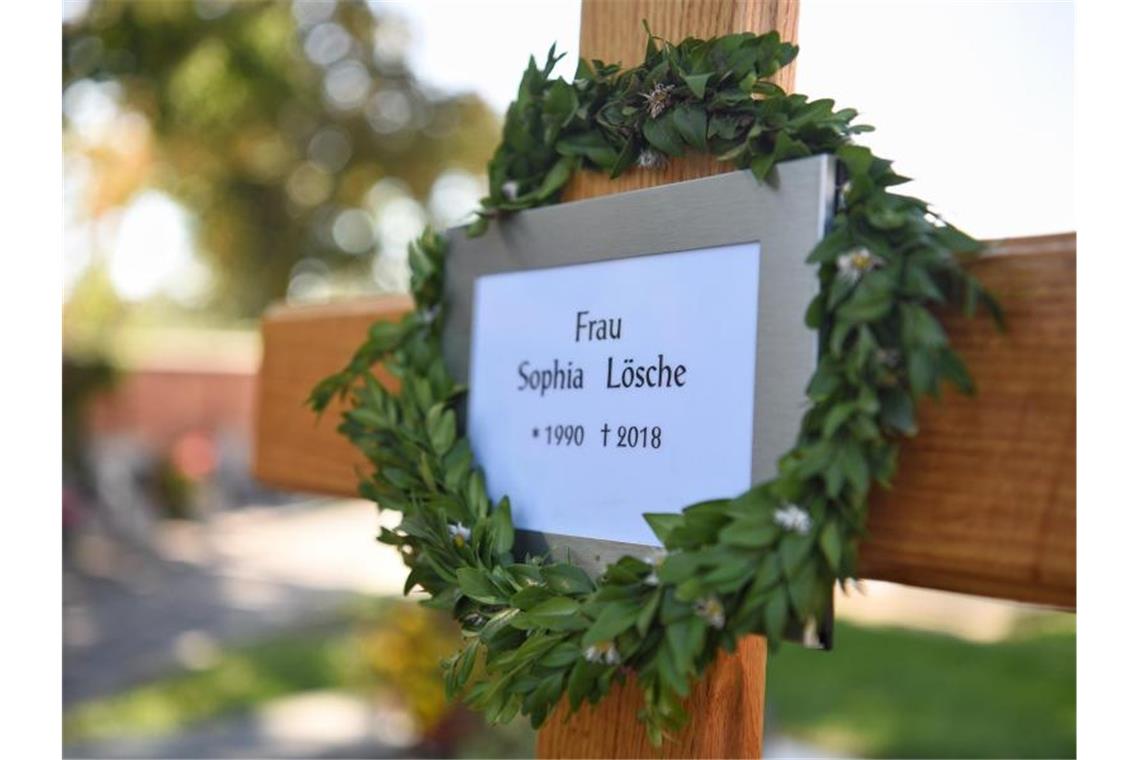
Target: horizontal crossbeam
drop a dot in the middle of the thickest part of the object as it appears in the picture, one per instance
(985, 499)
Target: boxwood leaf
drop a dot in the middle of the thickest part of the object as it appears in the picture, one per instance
(564, 578)
(697, 83)
(614, 619)
(555, 607)
(776, 614)
(475, 584)
(663, 523)
(831, 543)
(692, 124)
(502, 529)
(662, 134)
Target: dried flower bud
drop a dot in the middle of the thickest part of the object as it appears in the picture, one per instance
(651, 159)
(658, 99)
(711, 610)
(604, 652)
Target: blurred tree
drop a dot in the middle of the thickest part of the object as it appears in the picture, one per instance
(271, 123)
(82, 381)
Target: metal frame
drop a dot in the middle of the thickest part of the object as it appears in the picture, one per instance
(788, 215)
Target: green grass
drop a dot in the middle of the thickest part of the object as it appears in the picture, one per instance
(241, 679)
(332, 656)
(882, 692)
(898, 693)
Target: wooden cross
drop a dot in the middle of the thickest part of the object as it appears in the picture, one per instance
(985, 499)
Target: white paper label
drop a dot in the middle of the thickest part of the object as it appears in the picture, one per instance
(603, 391)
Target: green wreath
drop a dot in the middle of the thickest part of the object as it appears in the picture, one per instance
(538, 629)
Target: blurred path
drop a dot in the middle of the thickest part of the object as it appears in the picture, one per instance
(130, 615)
(313, 725)
(321, 724)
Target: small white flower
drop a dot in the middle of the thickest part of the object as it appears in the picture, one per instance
(853, 265)
(511, 190)
(811, 633)
(604, 651)
(793, 518)
(651, 159)
(460, 534)
(658, 99)
(655, 561)
(711, 610)
(888, 357)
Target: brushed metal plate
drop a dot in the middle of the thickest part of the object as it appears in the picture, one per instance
(788, 215)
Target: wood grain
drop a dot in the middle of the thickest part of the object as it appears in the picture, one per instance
(984, 502)
(985, 498)
(727, 709)
(292, 447)
(728, 704)
(611, 31)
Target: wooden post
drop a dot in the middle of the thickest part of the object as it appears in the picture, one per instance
(612, 32)
(727, 707)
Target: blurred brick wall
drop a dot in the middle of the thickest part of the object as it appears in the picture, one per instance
(156, 406)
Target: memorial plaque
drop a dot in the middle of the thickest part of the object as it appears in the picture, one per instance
(618, 369)
(637, 352)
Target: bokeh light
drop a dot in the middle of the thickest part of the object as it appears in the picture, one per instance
(455, 197)
(331, 148)
(153, 246)
(352, 231)
(309, 282)
(346, 84)
(327, 43)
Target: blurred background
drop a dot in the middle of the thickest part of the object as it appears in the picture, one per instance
(222, 156)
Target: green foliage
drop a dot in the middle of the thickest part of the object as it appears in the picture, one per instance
(703, 95)
(243, 129)
(753, 564)
(83, 379)
(240, 680)
(387, 649)
(900, 693)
